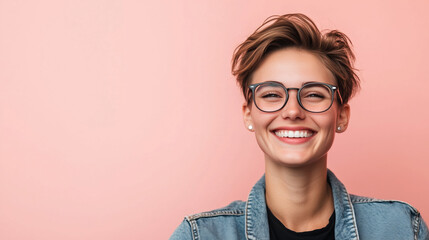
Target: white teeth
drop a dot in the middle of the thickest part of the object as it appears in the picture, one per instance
(294, 134)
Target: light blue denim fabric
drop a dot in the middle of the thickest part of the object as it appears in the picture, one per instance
(355, 218)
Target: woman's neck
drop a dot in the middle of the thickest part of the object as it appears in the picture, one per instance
(300, 198)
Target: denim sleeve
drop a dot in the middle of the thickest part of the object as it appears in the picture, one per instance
(423, 230)
(182, 232)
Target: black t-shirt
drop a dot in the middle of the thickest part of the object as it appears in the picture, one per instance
(279, 232)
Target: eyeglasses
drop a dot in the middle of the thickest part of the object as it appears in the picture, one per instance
(313, 97)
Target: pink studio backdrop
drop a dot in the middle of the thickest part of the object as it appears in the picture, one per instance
(118, 118)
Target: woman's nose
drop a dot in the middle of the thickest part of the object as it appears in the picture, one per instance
(292, 109)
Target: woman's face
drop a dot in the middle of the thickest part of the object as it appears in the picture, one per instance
(294, 67)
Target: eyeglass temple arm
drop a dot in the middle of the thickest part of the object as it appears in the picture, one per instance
(339, 95)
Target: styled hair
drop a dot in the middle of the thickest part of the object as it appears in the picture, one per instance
(297, 30)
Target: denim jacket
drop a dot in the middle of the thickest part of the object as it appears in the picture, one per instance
(356, 218)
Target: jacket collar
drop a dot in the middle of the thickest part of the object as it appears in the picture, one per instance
(256, 222)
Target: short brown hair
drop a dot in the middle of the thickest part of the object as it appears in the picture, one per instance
(297, 30)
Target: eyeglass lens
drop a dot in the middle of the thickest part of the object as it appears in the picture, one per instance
(271, 97)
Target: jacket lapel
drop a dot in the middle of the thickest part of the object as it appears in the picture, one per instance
(256, 223)
(345, 220)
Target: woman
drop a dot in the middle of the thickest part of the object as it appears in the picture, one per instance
(297, 83)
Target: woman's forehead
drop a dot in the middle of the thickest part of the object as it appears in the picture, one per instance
(292, 66)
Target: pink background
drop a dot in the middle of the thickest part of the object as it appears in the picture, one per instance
(118, 118)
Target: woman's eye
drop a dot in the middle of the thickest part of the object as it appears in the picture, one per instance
(271, 95)
(314, 95)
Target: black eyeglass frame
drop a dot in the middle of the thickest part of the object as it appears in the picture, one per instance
(333, 89)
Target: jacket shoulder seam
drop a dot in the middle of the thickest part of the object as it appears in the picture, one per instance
(215, 213)
(416, 225)
(358, 199)
(194, 229)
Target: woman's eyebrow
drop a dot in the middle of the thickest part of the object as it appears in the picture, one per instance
(314, 82)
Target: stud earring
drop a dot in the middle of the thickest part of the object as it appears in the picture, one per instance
(250, 127)
(339, 128)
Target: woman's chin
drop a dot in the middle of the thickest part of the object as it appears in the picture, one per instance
(295, 159)
(291, 161)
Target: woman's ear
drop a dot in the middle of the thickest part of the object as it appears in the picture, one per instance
(247, 118)
(343, 118)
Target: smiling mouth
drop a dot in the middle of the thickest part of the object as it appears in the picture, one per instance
(294, 134)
